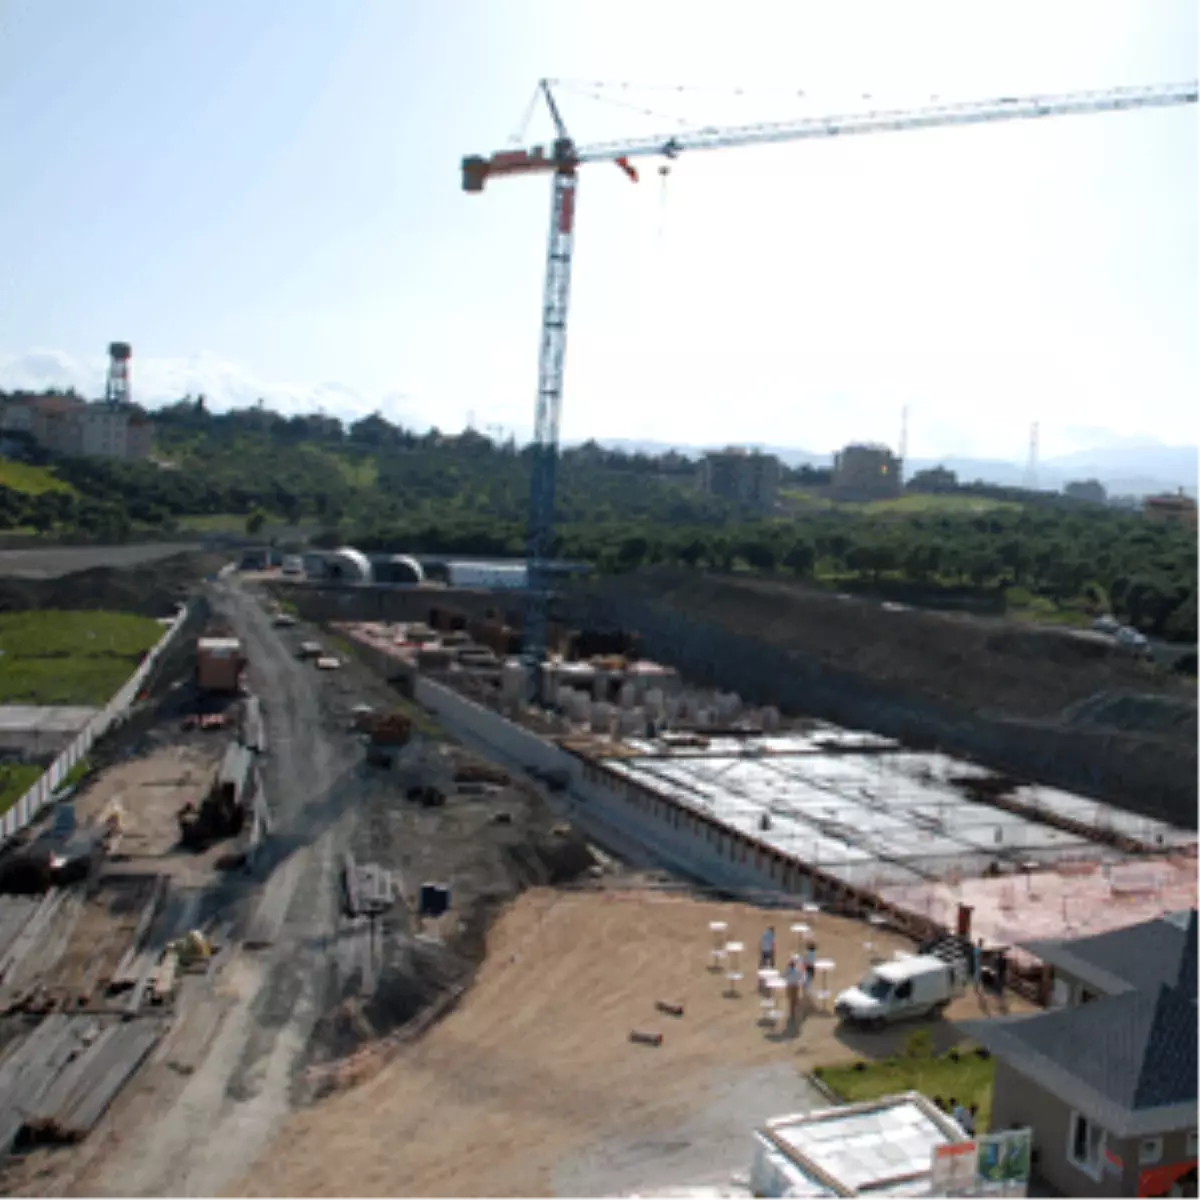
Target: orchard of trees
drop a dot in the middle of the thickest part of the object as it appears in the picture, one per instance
(383, 487)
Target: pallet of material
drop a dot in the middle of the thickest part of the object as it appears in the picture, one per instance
(162, 987)
(33, 1064)
(15, 914)
(368, 889)
(41, 955)
(126, 974)
(30, 933)
(69, 1108)
(254, 731)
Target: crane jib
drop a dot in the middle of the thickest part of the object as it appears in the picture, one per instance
(561, 163)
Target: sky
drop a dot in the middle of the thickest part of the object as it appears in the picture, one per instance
(265, 200)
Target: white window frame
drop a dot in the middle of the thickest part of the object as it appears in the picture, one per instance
(1150, 1151)
(1092, 1170)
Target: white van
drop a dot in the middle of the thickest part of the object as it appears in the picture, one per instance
(907, 987)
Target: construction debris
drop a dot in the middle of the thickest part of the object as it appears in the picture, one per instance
(254, 728)
(163, 988)
(369, 888)
(223, 812)
(646, 1039)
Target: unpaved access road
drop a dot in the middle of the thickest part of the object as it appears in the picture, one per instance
(196, 1142)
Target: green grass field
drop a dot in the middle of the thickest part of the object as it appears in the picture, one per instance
(33, 481)
(910, 504)
(969, 1079)
(920, 502)
(15, 780)
(70, 657)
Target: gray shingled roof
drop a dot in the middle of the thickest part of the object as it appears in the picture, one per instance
(1124, 1054)
(1141, 956)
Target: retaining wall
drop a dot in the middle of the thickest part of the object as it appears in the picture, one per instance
(1159, 783)
(321, 602)
(620, 812)
(38, 796)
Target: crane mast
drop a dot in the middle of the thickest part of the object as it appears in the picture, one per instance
(562, 163)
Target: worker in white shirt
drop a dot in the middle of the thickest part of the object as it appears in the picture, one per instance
(767, 949)
(810, 966)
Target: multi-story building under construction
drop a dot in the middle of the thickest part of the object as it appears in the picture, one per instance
(867, 472)
(745, 477)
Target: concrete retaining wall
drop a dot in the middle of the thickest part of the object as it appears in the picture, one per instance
(1160, 785)
(620, 813)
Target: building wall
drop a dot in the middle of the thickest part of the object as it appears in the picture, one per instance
(16, 418)
(102, 432)
(743, 478)
(66, 425)
(867, 471)
(1070, 991)
(1170, 508)
(1017, 1102)
(1090, 490)
(139, 440)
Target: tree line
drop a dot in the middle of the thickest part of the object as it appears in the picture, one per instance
(387, 488)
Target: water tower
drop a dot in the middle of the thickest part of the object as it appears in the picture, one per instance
(116, 388)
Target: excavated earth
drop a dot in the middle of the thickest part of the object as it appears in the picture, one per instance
(1054, 706)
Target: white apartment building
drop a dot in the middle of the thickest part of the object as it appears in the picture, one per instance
(66, 425)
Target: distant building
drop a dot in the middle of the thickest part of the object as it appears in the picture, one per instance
(745, 477)
(934, 479)
(66, 425)
(1179, 508)
(1090, 491)
(866, 472)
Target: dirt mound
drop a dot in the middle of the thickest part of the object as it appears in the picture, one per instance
(1135, 712)
(1004, 667)
(151, 588)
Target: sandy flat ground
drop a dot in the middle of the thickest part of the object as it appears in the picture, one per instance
(149, 792)
(531, 1085)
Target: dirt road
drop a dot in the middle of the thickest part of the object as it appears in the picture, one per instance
(240, 1090)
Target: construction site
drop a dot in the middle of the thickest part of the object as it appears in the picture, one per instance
(351, 899)
(325, 871)
(798, 809)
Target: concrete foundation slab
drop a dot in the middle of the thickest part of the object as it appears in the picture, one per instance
(36, 730)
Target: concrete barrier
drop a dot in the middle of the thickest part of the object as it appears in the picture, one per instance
(38, 796)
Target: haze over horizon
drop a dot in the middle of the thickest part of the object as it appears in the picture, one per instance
(265, 201)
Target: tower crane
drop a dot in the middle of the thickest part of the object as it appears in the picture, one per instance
(562, 160)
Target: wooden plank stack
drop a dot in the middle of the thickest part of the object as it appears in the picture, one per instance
(15, 913)
(128, 971)
(31, 932)
(68, 1107)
